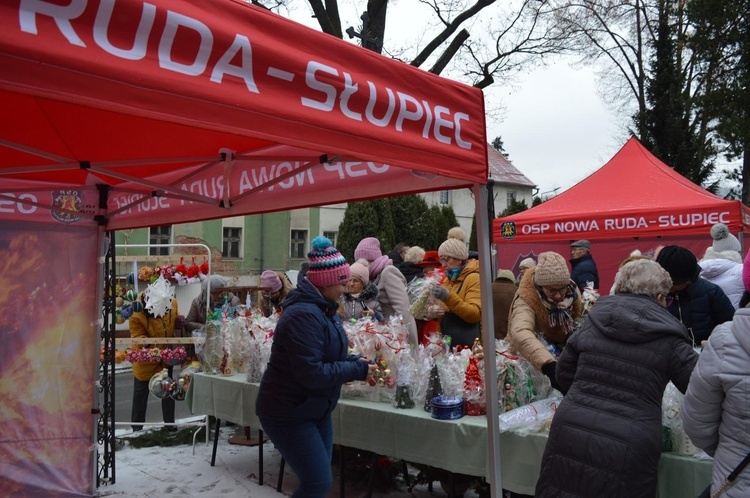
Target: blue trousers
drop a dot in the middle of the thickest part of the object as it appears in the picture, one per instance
(307, 447)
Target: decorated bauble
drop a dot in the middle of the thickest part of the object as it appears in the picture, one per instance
(120, 319)
(137, 306)
(127, 311)
(119, 301)
(183, 383)
(130, 278)
(161, 385)
(131, 295)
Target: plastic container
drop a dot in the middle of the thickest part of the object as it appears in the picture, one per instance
(447, 407)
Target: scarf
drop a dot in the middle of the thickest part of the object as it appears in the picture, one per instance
(378, 265)
(453, 273)
(561, 313)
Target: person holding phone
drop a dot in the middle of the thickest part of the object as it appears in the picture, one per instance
(361, 296)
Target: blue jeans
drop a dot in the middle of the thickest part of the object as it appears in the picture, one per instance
(307, 448)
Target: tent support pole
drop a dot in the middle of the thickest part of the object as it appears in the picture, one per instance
(104, 423)
(488, 339)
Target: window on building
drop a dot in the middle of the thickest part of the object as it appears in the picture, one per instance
(159, 235)
(511, 198)
(298, 243)
(331, 236)
(445, 197)
(232, 243)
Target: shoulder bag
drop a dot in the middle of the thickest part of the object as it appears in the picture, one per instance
(729, 480)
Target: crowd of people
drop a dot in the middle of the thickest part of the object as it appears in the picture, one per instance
(612, 361)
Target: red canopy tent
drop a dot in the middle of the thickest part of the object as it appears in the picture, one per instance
(632, 202)
(127, 114)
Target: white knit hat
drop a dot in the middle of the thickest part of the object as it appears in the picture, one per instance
(723, 240)
(455, 246)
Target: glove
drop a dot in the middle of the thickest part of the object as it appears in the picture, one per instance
(439, 292)
(549, 370)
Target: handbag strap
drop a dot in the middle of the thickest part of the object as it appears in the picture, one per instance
(732, 475)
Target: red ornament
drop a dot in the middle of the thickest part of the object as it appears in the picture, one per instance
(193, 270)
(474, 398)
(204, 267)
(181, 268)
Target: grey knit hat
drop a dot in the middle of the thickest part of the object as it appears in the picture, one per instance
(723, 240)
(551, 270)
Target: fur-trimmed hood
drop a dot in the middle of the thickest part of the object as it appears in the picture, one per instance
(369, 293)
(528, 292)
(730, 255)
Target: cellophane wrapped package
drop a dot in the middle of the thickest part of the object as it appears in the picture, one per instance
(532, 417)
(422, 305)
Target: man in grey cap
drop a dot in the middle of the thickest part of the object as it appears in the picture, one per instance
(584, 267)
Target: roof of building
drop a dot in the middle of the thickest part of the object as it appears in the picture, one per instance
(502, 171)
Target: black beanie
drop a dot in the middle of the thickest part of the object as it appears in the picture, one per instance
(680, 263)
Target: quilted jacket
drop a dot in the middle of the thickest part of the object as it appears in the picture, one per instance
(606, 436)
(717, 403)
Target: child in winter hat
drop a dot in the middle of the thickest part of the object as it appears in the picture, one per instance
(326, 264)
(270, 280)
(551, 270)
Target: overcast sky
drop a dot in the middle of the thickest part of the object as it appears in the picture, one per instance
(556, 129)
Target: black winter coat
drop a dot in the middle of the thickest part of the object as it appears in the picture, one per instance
(410, 271)
(701, 307)
(606, 436)
(584, 270)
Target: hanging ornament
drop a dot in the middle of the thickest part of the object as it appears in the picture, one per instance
(137, 306)
(158, 297)
(181, 269)
(127, 311)
(193, 270)
(204, 267)
(161, 384)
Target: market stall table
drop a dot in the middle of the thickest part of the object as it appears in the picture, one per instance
(413, 435)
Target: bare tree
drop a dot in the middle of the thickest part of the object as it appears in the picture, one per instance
(505, 39)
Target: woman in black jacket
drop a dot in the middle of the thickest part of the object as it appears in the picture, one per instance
(606, 436)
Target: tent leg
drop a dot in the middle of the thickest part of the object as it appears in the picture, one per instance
(488, 337)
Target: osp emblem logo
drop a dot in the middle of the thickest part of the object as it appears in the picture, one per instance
(70, 201)
(508, 229)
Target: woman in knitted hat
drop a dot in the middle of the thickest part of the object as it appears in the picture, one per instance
(606, 436)
(460, 291)
(308, 365)
(722, 263)
(390, 282)
(361, 297)
(547, 306)
(278, 286)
